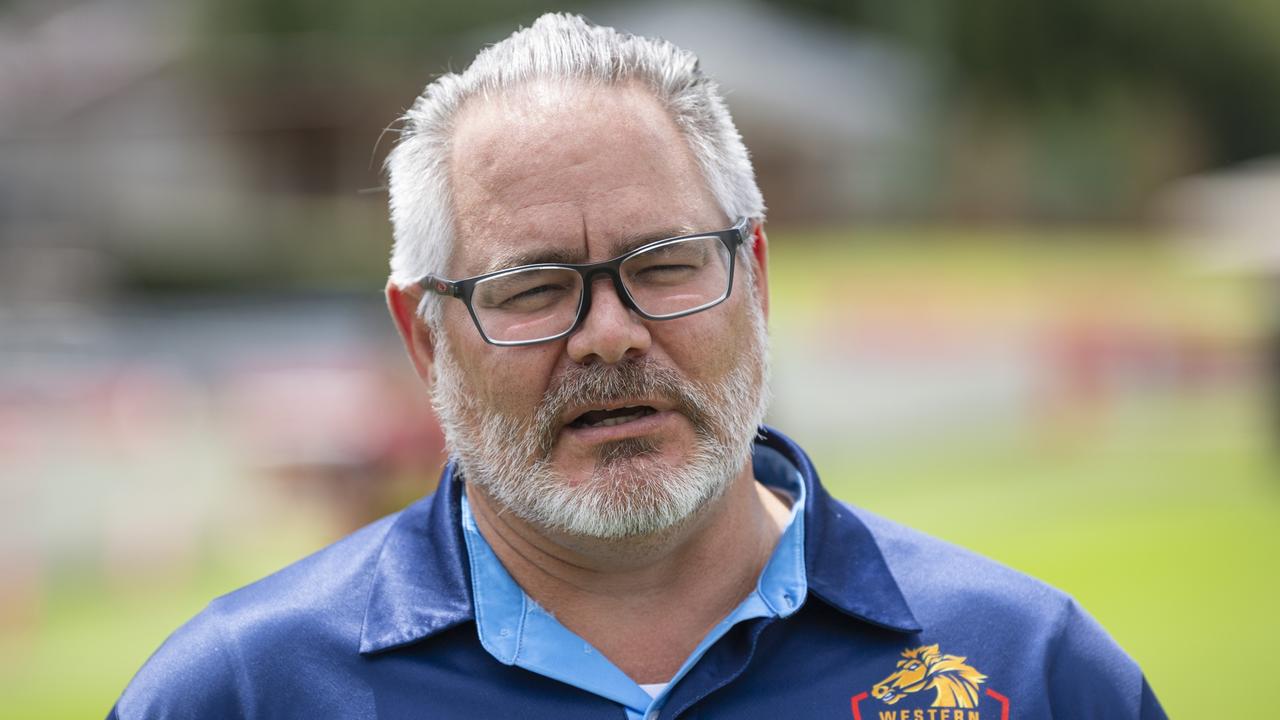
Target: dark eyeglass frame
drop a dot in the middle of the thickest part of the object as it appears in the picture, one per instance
(733, 238)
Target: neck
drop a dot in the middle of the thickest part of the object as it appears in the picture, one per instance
(645, 602)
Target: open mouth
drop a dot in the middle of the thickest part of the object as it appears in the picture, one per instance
(609, 418)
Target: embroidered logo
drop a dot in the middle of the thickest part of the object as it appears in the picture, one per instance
(926, 668)
(954, 682)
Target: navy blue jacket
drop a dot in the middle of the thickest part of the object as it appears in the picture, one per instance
(897, 626)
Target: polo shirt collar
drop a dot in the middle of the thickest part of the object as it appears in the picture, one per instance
(422, 585)
(845, 566)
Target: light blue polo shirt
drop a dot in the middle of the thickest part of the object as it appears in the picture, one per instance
(516, 631)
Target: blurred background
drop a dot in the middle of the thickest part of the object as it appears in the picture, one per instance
(1026, 267)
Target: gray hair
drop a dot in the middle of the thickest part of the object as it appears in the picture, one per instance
(557, 47)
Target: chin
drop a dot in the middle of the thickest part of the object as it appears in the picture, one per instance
(642, 455)
(632, 489)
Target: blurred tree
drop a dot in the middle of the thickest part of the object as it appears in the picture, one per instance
(375, 24)
(1218, 58)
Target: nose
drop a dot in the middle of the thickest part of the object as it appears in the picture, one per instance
(610, 331)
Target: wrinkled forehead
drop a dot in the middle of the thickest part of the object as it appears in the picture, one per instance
(573, 169)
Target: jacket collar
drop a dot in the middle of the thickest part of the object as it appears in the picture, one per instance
(422, 586)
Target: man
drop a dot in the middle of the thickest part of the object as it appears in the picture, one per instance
(579, 276)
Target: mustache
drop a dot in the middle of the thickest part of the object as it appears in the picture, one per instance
(604, 384)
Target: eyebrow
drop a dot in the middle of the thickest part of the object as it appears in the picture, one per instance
(561, 256)
(630, 242)
(535, 256)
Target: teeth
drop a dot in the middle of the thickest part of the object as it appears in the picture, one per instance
(617, 420)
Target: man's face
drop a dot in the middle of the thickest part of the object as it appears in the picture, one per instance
(581, 175)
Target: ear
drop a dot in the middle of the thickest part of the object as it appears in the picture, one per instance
(760, 256)
(403, 305)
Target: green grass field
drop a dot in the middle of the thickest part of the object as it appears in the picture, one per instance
(1163, 519)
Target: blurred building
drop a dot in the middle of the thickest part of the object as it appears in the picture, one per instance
(1229, 224)
(1230, 218)
(132, 162)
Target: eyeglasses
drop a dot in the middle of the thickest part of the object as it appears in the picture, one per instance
(661, 280)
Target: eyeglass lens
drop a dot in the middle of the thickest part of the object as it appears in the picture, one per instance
(670, 279)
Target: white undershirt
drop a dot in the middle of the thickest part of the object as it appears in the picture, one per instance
(654, 689)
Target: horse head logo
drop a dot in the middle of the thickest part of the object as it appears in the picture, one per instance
(925, 668)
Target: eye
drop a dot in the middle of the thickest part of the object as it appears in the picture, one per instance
(532, 296)
(669, 264)
(524, 292)
(664, 273)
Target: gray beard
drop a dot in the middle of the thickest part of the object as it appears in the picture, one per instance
(628, 493)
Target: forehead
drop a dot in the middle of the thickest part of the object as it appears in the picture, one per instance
(573, 169)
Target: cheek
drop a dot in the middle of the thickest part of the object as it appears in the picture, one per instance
(519, 379)
(512, 379)
(711, 344)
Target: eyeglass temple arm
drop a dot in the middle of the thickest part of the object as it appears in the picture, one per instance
(746, 230)
(440, 286)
